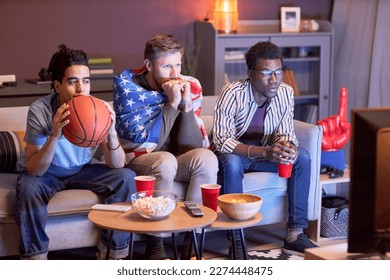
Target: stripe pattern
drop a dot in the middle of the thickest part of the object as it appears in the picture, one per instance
(10, 150)
(235, 109)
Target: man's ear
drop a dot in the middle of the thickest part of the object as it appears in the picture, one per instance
(148, 64)
(57, 86)
(250, 74)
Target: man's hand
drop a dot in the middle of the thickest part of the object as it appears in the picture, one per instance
(173, 90)
(283, 152)
(59, 121)
(336, 129)
(178, 93)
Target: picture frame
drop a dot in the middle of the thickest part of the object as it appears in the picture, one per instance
(290, 19)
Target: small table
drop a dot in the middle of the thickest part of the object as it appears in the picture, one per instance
(225, 223)
(180, 220)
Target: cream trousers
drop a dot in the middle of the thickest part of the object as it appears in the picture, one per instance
(196, 167)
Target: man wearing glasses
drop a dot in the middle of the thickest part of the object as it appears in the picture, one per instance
(253, 131)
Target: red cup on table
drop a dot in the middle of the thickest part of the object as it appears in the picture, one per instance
(144, 184)
(210, 193)
(284, 170)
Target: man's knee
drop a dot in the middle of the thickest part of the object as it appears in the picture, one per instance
(29, 186)
(304, 158)
(229, 162)
(206, 158)
(165, 164)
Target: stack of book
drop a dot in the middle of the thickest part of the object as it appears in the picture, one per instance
(101, 68)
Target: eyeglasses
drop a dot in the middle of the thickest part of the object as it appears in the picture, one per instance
(266, 74)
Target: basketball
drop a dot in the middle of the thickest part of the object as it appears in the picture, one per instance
(89, 121)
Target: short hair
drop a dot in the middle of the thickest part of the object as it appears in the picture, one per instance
(262, 50)
(63, 59)
(162, 43)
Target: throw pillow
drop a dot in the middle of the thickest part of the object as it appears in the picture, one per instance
(10, 151)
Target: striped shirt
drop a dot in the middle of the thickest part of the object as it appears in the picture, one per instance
(234, 111)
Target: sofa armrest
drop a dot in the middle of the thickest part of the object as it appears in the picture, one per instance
(310, 138)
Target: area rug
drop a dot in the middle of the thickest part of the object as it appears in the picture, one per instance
(274, 254)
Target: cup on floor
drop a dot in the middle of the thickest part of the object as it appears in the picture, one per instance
(210, 193)
(144, 183)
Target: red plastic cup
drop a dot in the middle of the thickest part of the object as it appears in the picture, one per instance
(284, 170)
(210, 193)
(144, 183)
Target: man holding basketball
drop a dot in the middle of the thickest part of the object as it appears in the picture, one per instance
(159, 125)
(51, 163)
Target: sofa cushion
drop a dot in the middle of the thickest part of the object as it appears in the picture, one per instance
(68, 202)
(10, 151)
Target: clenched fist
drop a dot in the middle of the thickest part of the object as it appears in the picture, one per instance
(336, 128)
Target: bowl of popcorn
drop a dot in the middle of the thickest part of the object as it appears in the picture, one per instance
(154, 205)
(240, 206)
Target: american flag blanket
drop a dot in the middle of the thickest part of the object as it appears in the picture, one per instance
(139, 112)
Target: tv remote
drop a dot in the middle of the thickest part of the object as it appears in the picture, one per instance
(193, 208)
(111, 207)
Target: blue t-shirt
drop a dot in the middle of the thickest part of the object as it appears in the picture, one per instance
(68, 159)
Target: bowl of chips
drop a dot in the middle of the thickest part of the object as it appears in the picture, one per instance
(240, 206)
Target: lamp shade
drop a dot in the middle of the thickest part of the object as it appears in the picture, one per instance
(226, 16)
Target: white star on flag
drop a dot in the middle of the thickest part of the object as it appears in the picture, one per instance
(142, 97)
(137, 117)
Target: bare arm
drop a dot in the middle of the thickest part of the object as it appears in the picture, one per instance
(113, 152)
(39, 158)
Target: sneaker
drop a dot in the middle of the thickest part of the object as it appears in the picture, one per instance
(298, 246)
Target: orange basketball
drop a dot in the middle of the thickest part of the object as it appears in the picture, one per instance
(89, 121)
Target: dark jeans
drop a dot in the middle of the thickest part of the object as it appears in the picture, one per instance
(231, 173)
(33, 194)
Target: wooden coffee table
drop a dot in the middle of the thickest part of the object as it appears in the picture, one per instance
(180, 220)
(225, 223)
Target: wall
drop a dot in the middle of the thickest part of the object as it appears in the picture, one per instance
(31, 30)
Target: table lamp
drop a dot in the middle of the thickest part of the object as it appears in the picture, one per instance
(226, 16)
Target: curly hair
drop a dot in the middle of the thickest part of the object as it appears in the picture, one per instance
(262, 50)
(63, 59)
(162, 43)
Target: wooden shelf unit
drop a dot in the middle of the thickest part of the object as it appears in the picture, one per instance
(309, 54)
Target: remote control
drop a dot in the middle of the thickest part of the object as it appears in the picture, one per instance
(111, 207)
(193, 208)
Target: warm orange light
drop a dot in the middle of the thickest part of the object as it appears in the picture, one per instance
(226, 16)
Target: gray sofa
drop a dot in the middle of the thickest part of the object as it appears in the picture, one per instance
(68, 226)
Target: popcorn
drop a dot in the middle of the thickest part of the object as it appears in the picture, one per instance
(154, 207)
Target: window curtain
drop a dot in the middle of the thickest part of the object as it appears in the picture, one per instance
(361, 56)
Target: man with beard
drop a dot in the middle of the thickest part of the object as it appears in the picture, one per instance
(159, 125)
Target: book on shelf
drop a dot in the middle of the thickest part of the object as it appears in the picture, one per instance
(101, 66)
(289, 78)
(100, 60)
(101, 71)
